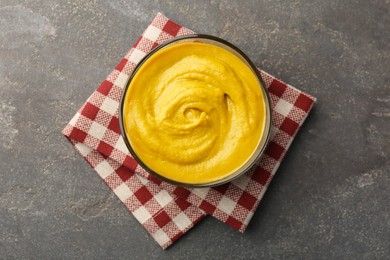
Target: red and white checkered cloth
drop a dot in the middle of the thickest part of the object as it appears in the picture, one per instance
(165, 210)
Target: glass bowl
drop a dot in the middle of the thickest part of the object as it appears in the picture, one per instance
(262, 142)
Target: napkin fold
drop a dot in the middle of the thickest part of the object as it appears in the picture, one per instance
(165, 210)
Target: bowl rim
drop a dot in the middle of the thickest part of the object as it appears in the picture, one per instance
(267, 130)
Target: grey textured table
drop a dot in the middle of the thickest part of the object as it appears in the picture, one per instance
(330, 197)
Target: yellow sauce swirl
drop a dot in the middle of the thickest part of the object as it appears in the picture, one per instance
(194, 113)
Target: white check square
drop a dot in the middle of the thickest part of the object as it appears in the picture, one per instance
(152, 33)
(109, 105)
(226, 205)
(104, 169)
(121, 80)
(83, 149)
(163, 198)
(143, 180)
(201, 192)
(283, 107)
(161, 237)
(74, 120)
(142, 214)
(136, 56)
(121, 146)
(123, 192)
(97, 130)
(182, 221)
(242, 182)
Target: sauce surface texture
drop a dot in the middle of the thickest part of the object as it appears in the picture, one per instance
(194, 112)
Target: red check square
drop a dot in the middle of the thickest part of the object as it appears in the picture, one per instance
(124, 173)
(274, 150)
(90, 111)
(162, 219)
(207, 206)
(114, 125)
(103, 146)
(78, 134)
(277, 88)
(121, 65)
(234, 223)
(130, 163)
(105, 87)
(289, 126)
(172, 28)
(143, 194)
(261, 176)
(304, 102)
(247, 201)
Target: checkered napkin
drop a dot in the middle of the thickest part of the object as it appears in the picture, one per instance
(165, 210)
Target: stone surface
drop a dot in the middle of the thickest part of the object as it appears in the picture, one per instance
(330, 197)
